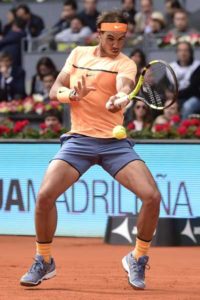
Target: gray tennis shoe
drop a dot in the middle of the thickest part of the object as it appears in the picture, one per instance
(39, 271)
(136, 270)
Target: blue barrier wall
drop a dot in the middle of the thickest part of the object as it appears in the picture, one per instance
(84, 208)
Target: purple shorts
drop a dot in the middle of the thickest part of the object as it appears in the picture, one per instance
(82, 152)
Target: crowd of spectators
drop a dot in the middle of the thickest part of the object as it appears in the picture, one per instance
(170, 27)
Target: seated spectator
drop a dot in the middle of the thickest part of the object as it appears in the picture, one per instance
(11, 42)
(89, 14)
(141, 117)
(171, 6)
(157, 23)
(128, 9)
(69, 11)
(143, 17)
(138, 56)
(170, 115)
(12, 79)
(52, 121)
(11, 15)
(48, 81)
(181, 25)
(34, 24)
(76, 33)
(44, 66)
(187, 70)
(131, 29)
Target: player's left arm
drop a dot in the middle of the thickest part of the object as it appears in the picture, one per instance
(124, 86)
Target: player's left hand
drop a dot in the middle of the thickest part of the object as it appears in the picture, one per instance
(81, 90)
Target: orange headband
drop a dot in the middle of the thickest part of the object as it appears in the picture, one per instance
(119, 27)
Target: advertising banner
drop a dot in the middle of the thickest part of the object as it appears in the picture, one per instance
(84, 208)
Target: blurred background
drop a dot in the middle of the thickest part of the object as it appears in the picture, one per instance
(37, 36)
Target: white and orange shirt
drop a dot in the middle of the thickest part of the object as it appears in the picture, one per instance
(90, 116)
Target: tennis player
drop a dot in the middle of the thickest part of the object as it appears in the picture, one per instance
(90, 77)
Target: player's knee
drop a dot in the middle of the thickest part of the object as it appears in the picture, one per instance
(154, 200)
(44, 201)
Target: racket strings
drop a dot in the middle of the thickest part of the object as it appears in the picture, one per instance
(151, 95)
(157, 80)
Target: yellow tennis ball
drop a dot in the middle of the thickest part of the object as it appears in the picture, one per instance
(119, 132)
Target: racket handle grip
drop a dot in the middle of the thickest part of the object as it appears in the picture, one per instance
(121, 102)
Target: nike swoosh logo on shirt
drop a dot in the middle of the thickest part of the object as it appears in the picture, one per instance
(88, 75)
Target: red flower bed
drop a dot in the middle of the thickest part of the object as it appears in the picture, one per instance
(171, 40)
(29, 105)
(175, 129)
(22, 129)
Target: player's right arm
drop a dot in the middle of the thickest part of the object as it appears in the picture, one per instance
(61, 85)
(61, 89)
(62, 80)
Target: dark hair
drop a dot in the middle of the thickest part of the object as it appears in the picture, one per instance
(190, 48)
(24, 7)
(46, 61)
(133, 1)
(174, 4)
(131, 21)
(78, 18)
(111, 17)
(147, 118)
(19, 22)
(54, 74)
(53, 113)
(142, 55)
(181, 11)
(5, 55)
(71, 3)
(13, 11)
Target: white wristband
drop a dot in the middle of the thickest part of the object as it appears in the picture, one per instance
(121, 94)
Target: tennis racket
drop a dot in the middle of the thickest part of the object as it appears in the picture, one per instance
(156, 80)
